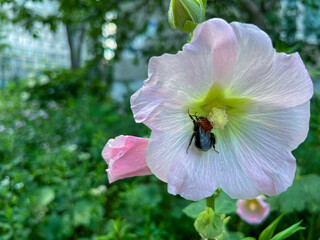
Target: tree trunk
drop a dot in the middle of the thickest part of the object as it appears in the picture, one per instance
(75, 36)
(256, 12)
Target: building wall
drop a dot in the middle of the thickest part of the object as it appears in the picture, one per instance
(28, 54)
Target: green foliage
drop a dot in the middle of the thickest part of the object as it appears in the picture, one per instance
(288, 232)
(303, 195)
(44, 196)
(223, 205)
(52, 176)
(268, 232)
(308, 153)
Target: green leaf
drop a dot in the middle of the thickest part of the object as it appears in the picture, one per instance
(209, 224)
(194, 209)
(225, 205)
(82, 213)
(248, 238)
(268, 232)
(303, 194)
(314, 73)
(45, 196)
(288, 232)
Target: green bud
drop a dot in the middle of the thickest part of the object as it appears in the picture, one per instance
(184, 15)
(209, 224)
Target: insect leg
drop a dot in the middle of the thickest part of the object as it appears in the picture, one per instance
(213, 142)
(190, 141)
(191, 116)
(214, 148)
(194, 122)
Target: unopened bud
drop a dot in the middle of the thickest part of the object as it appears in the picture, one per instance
(209, 224)
(184, 15)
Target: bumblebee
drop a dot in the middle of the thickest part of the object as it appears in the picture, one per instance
(204, 138)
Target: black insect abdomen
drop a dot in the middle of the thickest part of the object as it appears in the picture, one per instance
(203, 140)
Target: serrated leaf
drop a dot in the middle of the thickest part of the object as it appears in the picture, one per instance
(268, 232)
(288, 232)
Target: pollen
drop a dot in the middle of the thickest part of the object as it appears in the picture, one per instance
(218, 118)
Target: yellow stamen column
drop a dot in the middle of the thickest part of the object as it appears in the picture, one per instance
(218, 118)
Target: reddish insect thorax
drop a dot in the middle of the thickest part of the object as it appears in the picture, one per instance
(204, 123)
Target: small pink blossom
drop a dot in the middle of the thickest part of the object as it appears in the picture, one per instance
(126, 157)
(253, 211)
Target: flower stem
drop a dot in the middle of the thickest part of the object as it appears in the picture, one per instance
(210, 200)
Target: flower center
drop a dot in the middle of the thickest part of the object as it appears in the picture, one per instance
(218, 118)
(253, 206)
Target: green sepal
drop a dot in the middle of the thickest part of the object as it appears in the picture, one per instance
(224, 234)
(189, 26)
(289, 231)
(209, 224)
(268, 232)
(204, 4)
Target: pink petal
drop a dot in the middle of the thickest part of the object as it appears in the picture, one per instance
(217, 37)
(274, 80)
(254, 215)
(126, 157)
(187, 75)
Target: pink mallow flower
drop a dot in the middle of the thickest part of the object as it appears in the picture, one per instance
(126, 157)
(253, 211)
(252, 100)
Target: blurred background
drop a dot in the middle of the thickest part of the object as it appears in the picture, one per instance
(67, 70)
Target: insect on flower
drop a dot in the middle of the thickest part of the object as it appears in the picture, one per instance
(204, 138)
(254, 99)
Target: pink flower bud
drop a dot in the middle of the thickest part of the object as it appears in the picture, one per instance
(126, 157)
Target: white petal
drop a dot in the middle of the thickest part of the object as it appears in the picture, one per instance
(275, 80)
(288, 127)
(176, 80)
(267, 162)
(196, 174)
(166, 140)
